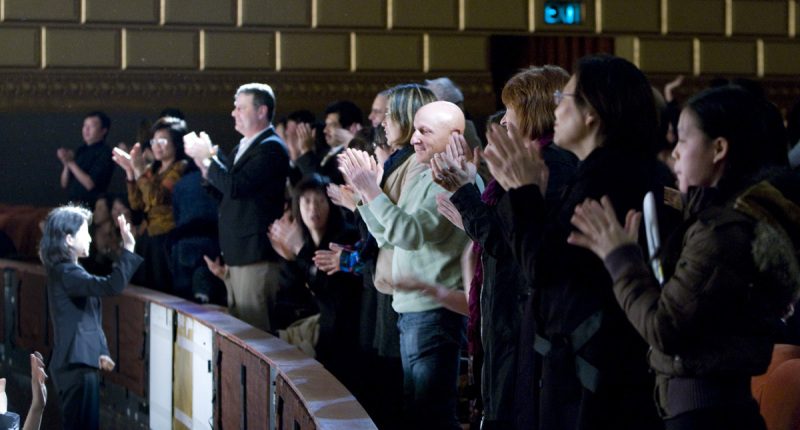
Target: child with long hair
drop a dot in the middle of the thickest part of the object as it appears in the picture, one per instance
(73, 296)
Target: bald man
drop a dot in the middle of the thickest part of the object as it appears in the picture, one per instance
(427, 247)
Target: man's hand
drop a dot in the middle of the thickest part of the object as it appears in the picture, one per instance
(197, 147)
(341, 136)
(362, 171)
(305, 137)
(344, 196)
(65, 155)
(216, 267)
(106, 363)
(453, 168)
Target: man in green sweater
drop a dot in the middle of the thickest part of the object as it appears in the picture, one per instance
(427, 247)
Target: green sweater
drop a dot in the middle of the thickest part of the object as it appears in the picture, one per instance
(427, 246)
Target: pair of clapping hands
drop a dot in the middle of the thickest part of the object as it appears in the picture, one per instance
(286, 237)
(132, 162)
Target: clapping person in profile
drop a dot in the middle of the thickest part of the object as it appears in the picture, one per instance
(73, 296)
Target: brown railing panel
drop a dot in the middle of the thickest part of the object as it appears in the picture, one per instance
(124, 325)
(34, 331)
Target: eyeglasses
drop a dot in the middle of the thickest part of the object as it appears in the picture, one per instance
(558, 96)
(160, 141)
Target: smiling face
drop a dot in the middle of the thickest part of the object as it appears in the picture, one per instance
(79, 243)
(314, 210)
(433, 125)
(695, 154)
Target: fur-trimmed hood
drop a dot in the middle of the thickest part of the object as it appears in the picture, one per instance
(776, 243)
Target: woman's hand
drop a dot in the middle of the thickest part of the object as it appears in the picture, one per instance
(598, 228)
(362, 171)
(328, 261)
(128, 241)
(448, 210)
(514, 161)
(344, 196)
(138, 162)
(286, 237)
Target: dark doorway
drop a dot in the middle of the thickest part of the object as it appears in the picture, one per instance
(509, 54)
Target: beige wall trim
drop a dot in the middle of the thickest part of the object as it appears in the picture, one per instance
(65, 91)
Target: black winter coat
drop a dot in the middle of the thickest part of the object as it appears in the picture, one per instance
(581, 363)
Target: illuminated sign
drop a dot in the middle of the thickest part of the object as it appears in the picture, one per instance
(563, 12)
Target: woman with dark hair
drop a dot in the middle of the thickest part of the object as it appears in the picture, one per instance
(150, 189)
(581, 364)
(73, 297)
(500, 289)
(731, 269)
(315, 225)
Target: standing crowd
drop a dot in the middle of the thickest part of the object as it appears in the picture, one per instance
(605, 259)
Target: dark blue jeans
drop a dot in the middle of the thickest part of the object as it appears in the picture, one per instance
(430, 343)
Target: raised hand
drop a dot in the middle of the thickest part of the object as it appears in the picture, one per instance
(198, 147)
(65, 155)
(38, 379)
(448, 210)
(128, 241)
(513, 160)
(362, 171)
(328, 261)
(598, 228)
(305, 137)
(344, 196)
(138, 162)
(123, 160)
(452, 168)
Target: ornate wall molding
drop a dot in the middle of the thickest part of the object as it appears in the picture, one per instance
(206, 92)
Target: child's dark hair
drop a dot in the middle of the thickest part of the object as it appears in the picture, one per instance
(60, 222)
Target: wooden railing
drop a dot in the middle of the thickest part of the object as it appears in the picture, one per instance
(197, 366)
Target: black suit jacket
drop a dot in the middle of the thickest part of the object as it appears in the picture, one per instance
(74, 299)
(252, 196)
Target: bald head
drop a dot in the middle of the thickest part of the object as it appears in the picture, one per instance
(433, 125)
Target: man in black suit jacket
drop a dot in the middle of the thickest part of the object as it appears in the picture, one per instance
(250, 184)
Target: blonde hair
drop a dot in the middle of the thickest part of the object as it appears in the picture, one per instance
(404, 102)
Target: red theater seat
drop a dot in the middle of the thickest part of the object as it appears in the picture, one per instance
(778, 391)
